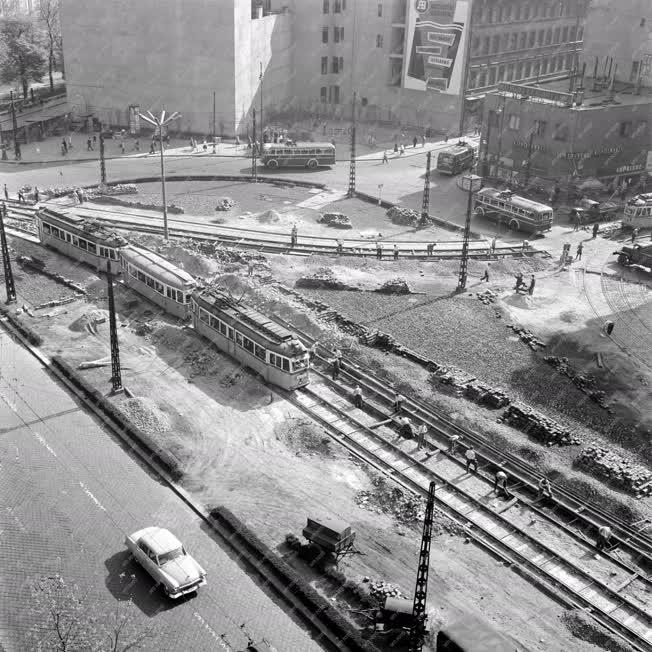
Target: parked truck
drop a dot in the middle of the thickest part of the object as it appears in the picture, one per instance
(590, 210)
(636, 255)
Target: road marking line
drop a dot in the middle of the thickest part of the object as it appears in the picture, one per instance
(90, 495)
(42, 440)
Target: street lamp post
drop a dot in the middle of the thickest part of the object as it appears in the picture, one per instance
(159, 123)
(473, 182)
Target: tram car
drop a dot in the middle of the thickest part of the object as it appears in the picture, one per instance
(638, 212)
(157, 279)
(251, 338)
(78, 237)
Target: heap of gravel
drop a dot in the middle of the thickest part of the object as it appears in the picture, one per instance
(144, 414)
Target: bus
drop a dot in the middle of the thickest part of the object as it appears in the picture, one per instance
(518, 213)
(309, 155)
(638, 212)
(455, 159)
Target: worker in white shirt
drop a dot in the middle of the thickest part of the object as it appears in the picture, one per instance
(604, 537)
(357, 396)
(471, 460)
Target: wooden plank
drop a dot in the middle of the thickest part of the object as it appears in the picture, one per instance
(599, 359)
(507, 505)
(627, 582)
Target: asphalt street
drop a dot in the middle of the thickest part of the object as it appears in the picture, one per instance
(69, 491)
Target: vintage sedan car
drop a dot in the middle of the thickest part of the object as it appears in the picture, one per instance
(163, 556)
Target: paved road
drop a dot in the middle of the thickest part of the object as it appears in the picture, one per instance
(68, 493)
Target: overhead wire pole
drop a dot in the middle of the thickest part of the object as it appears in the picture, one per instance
(351, 192)
(14, 122)
(102, 159)
(464, 262)
(159, 123)
(260, 78)
(465, 67)
(116, 373)
(254, 154)
(425, 204)
(6, 262)
(214, 134)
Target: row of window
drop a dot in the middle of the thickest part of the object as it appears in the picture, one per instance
(337, 65)
(295, 151)
(516, 71)
(157, 286)
(338, 34)
(75, 241)
(511, 209)
(512, 12)
(330, 95)
(338, 6)
(524, 40)
(249, 345)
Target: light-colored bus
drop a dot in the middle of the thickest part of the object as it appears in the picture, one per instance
(638, 212)
(310, 155)
(455, 159)
(518, 213)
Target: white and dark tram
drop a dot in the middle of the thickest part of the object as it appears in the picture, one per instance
(157, 279)
(79, 237)
(251, 337)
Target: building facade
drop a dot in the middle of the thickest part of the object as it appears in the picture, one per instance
(532, 133)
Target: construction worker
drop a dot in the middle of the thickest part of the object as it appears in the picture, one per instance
(335, 368)
(421, 436)
(294, 235)
(406, 429)
(596, 227)
(635, 234)
(500, 482)
(312, 352)
(578, 253)
(519, 281)
(379, 249)
(357, 396)
(471, 459)
(340, 247)
(395, 252)
(485, 276)
(604, 537)
(430, 248)
(530, 289)
(453, 440)
(492, 246)
(545, 490)
(398, 402)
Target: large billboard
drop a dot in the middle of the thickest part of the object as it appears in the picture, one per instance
(436, 35)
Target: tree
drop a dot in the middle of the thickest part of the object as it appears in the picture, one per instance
(49, 14)
(67, 621)
(22, 52)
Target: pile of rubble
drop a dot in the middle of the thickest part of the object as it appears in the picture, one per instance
(487, 296)
(404, 216)
(225, 204)
(616, 470)
(103, 198)
(336, 220)
(202, 363)
(395, 286)
(585, 383)
(485, 395)
(527, 336)
(451, 379)
(392, 500)
(535, 424)
(39, 266)
(322, 279)
(381, 589)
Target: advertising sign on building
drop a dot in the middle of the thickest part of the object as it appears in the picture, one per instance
(134, 119)
(436, 36)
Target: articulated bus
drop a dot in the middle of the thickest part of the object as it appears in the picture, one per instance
(310, 155)
(455, 159)
(518, 213)
(638, 211)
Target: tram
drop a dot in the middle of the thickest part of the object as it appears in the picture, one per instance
(251, 338)
(79, 238)
(638, 212)
(157, 279)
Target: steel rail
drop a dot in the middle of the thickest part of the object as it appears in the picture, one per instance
(615, 612)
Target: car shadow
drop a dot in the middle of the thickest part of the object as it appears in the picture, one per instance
(127, 580)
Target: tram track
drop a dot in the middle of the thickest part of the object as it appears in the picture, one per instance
(560, 567)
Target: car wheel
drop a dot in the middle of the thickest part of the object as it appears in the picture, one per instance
(514, 225)
(272, 163)
(312, 163)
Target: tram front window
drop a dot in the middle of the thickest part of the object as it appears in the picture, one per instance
(299, 363)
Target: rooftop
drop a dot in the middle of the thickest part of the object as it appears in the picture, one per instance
(160, 540)
(164, 270)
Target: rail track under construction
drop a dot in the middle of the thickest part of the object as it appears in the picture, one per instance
(548, 541)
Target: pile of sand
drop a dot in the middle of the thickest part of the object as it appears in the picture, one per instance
(144, 414)
(274, 217)
(523, 301)
(89, 321)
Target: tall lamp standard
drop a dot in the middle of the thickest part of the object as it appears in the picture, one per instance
(472, 183)
(159, 123)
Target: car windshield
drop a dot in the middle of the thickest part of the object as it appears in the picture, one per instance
(169, 556)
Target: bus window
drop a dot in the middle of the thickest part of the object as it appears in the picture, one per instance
(318, 151)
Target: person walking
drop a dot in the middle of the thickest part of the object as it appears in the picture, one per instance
(485, 276)
(122, 146)
(6, 193)
(519, 281)
(89, 145)
(423, 140)
(421, 436)
(21, 197)
(453, 441)
(525, 246)
(406, 429)
(395, 147)
(385, 159)
(335, 368)
(94, 139)
(445, 138)
(430, 248)
(70, 147)
(471, 459)
(340, 247)
(137, 145)
(500, 482)
(357, 396)
(492, 246)
(578, 253)
(530, 289)
(414, 141)
(36, 194)
(398, 403)
(312, 352)
(596, 227)
(78, 194)
(395, 252)
(604, 537)
(635, 234)
(544, 488)
(64, 146)
(294, 234)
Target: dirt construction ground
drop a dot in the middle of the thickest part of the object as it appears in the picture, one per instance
(243, 446)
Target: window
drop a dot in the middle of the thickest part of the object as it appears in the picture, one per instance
(341, 30)
(513, 41)
(336, 34)
(531, 39)
(548, 36)
(523, 41)
(159, 287)
(323, 94)
(560, 132)
(324, 34)
(335, 94)
(486, 45)
(526, 12)
(337, 65)
(564, 34)
(514, 121)
(540, 127)
(380, 10)
(238, 338)
(634, 74)
(625, 129)
(259, 351)
(222, 327)
(149, 281)
(326, 6)
(248, 344)
(324, 65)
(203, 316)
(495, 45)
(169, 293)
(540, 37)
(337, 7)
(379, 40)
(517, 12)
(557, 33)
